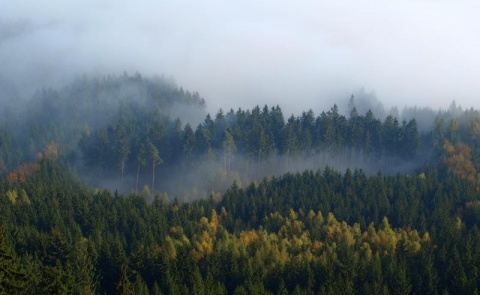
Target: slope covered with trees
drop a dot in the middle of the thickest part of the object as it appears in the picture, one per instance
(27, 125)
(224, 204)
(315, 232)
(245, 145)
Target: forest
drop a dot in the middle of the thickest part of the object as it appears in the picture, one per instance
(124, 184)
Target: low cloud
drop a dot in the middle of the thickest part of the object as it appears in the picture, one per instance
(297, 55)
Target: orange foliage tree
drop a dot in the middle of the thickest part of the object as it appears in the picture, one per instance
(22, 173)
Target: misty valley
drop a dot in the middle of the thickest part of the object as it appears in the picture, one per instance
(125, 184)
(117, 132)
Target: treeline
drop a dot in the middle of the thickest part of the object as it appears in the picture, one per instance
(246, 145)
(241, 142)
(318, 232)
(260, 133)
(133, 134)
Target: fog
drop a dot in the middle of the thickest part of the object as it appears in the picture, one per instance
(299, 55)
(201, 177)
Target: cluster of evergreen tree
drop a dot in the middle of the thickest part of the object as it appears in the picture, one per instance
(242, 141)
(246, 145)
(318, 232)
(310, 232)
(62, 115)
(124, 132)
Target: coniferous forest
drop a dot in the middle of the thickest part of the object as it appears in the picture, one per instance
(124, 184)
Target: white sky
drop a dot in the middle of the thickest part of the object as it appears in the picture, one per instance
(298, 54)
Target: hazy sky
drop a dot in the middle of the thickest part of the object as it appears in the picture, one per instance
(298, 54)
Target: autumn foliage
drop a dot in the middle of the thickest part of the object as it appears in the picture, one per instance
(22, 173)
(459, 159)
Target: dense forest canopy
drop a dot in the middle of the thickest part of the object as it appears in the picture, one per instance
(117, 131)
(125, 185)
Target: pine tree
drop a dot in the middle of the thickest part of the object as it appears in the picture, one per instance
(13, 278)
(124, 286)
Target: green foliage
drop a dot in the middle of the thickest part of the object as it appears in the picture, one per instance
(13, 277)
(309, 232)
(257, 240)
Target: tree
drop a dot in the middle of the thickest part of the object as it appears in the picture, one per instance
(83, 268)
(202, 141)
(460, 161)
(209, 125)
(156, 160)
(352, 109)
(373, 141)
(457, 279)
(401, 281)
(141, 160)
(430, 278)
(391, 136)
(124, 286)
(175, 142)
(290, 144)
(307, 125)
(13, 278)
(453, 128)
(229, 148)
(56, 280)
(189, 140)
(411, 139)
(122, 146)
(103, 150)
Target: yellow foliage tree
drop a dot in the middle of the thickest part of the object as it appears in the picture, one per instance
(459, 160)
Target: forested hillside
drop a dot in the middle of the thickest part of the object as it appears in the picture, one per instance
(315, 232)
(62, 115)
(133, 134)
(124, 185)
